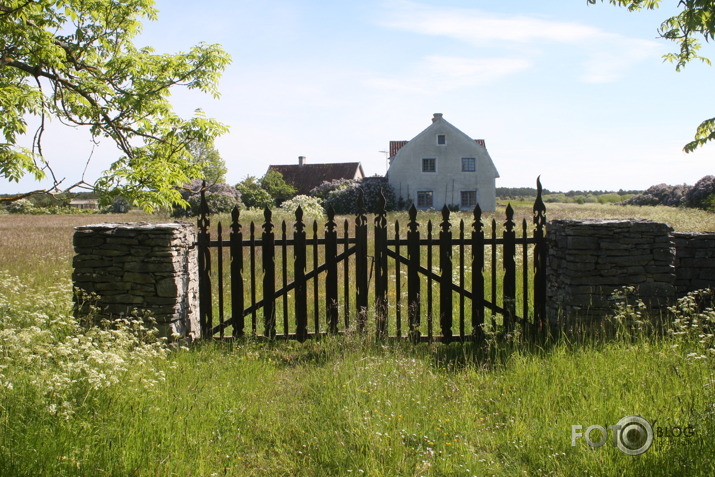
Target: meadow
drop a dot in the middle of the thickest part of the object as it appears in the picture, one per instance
(115, 400)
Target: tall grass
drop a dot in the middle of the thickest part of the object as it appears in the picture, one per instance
(78, 401)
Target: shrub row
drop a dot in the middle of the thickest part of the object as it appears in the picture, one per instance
(699, 196)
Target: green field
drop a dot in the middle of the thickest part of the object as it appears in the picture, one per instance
(114, 401)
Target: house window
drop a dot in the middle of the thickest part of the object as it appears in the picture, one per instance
(469, 199)
(429, 165)
(424, 199)
(441, 139)
(469, 164)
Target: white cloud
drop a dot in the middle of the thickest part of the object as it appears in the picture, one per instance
(436, 74)
(478, 27)
(615, 54)
(605, 55)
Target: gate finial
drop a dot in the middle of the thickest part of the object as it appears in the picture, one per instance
(330, 224)
(235, 225)
(477, 225)
(445, 219)
(539, 207)
(509, 224)
(412, 224)
(299, 225)
(267, 215)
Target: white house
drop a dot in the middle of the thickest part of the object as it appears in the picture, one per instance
(442, 165)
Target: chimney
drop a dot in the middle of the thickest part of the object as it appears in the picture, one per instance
(436, 116)
(481, 142)
(301, 160)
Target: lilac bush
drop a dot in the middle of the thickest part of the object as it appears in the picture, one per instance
(323, 190)
(220, 197)
(661, 194)
(702, 194)
(344, 198)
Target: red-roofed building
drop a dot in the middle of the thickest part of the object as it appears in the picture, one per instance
(305, 177)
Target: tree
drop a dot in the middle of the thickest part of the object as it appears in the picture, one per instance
(75, 60)
(276, 186)
(205, 155)
(252, 195)
(695, 21)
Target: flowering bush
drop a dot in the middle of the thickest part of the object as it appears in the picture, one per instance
(21, 206)
(344, 198)
(694, 323)
(220, 197)
(49, 356)
(702, 194)
(311, 206)
(661, 194)
(323, 190)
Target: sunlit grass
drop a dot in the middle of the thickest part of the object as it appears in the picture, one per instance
(345, 405)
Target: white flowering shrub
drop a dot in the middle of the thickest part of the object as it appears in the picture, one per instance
(690, 323)
(46, 354)
(311, 206)
(693, 324)
(21, 206)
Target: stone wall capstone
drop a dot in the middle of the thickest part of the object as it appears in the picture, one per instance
(143, 266)
(589, 259)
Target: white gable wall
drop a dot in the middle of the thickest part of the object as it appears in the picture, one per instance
(448, 181)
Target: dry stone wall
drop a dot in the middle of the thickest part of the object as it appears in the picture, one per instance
(694, 261)
(150, 267)
(588, 259)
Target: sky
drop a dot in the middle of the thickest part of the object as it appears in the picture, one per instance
(577, 94)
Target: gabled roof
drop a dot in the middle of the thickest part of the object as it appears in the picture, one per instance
(306, 177)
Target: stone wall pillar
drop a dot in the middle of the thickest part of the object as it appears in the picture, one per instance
(151, 267)
(589, 259)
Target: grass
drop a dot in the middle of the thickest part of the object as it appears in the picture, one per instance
(78, 401)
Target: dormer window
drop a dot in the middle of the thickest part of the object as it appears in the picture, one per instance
(441, 139)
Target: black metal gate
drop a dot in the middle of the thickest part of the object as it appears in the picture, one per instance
(498, 285)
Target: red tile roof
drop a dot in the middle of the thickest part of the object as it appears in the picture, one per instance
(395, 146)
(308, 176)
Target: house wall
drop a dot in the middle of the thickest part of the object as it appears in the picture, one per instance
(406, 176)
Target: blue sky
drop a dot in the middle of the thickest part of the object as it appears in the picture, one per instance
(577, 94)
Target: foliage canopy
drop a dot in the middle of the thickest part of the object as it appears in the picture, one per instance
(273, 183)
(695, 21)
(75, 60)
(205, 154)
(253, 196)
